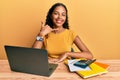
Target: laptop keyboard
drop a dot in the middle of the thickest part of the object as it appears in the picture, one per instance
(52, 66)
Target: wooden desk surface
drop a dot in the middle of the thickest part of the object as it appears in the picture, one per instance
(61, 73)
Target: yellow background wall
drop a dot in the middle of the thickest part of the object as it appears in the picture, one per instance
(97, 22)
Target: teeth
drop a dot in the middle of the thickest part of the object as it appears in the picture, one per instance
(59, 21)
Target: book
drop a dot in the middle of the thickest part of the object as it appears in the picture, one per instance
(95, 70)
(103, 65)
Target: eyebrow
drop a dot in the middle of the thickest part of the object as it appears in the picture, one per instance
(58, 11)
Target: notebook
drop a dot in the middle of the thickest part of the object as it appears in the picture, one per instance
(95, 70)
(103, 65)
(29, 60)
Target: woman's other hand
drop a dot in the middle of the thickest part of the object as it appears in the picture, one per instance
(63, 57)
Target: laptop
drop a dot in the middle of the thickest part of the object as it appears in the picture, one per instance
(29, 60)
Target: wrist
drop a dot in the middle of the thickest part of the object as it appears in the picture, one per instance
(68, 54)
(41, 35)
(39, 38)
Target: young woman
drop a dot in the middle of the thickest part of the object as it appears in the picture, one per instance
(57, 38)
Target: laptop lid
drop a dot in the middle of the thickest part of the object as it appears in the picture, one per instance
(29, 60)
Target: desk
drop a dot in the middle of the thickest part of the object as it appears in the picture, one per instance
(61, 73)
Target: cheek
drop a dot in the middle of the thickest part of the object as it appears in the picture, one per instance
(54, 16)
(65, 18)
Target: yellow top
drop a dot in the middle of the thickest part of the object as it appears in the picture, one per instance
(59, 43)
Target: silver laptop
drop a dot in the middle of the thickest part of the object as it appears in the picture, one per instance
(29, 60)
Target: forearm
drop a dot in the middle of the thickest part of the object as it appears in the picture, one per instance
(37, 44)
(86, 55)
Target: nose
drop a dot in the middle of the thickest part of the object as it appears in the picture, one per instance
(59, 16)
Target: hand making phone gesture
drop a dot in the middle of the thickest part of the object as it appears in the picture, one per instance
(45, 29)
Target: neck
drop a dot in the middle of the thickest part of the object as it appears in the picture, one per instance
(60, 29)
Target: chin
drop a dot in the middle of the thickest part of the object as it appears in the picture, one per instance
(59, 25)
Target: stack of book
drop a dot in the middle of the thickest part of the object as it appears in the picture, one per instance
(94, 68)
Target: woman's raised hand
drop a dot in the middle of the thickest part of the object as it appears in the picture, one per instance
(45, 29)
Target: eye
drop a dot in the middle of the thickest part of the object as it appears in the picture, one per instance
(55, 13)
(63, 14)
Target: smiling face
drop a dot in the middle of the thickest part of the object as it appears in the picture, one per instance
(58, 16)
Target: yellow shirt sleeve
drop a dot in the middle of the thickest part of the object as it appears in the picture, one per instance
(73, 35)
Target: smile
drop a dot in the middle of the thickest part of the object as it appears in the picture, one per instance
(59, 21)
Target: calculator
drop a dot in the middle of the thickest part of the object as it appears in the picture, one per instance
(84, 63)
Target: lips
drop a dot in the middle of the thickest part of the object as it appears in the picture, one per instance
(59, 21)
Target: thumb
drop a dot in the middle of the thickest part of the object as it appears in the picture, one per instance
(42, 24)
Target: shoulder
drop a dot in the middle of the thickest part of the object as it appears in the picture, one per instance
(72, 34)
(69, 31)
